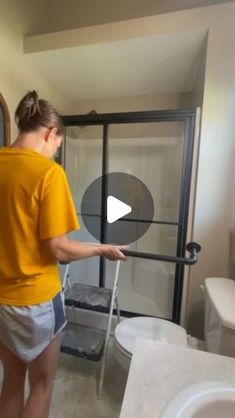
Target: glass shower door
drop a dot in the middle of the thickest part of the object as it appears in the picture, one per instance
(157, 148)
(83, 163)
(153, 152)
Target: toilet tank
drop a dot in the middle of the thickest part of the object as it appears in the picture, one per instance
(219, 325)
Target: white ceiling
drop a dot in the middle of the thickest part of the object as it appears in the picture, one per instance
(152, 65)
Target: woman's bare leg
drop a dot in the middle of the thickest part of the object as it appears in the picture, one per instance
(12, 392)
(41, 374)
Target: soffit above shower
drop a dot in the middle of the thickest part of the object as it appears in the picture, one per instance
(43, 16)
(162, 64)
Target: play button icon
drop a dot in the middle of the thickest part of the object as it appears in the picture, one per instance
(117, 208)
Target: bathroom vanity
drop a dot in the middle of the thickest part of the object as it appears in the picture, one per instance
(159, 371)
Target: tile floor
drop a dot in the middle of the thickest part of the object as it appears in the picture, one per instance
(75, 387)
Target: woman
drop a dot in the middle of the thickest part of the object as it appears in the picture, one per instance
(36, 213)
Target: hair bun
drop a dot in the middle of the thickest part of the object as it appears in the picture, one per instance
(32, 113)
(29, 102)
(27, 108)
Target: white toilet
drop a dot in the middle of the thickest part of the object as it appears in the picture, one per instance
(219, 323)
(129, 329)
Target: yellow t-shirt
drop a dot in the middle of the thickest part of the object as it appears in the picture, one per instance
(35, 204)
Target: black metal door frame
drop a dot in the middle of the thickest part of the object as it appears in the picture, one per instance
(188, 117)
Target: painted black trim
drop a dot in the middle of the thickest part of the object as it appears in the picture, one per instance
(103, 202)
(129, 117)
(92, 215)
(183, 213)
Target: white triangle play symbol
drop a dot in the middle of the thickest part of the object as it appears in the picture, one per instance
(116, 209)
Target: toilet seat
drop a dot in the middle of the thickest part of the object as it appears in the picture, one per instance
(129, 329)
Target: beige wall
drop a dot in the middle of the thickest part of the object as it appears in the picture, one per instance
(198, 92)
(17, 75)
(215, 202)
(134, 104)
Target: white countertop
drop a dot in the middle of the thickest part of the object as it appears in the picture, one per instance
(159, 371)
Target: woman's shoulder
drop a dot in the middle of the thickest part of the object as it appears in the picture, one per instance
(53, 171)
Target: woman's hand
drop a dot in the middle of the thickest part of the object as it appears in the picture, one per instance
(66, 250)
(113, 252)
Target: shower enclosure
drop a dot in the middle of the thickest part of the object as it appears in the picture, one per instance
(157, 148)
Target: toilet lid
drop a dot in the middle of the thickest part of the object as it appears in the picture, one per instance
(221, 292)
(128, 330)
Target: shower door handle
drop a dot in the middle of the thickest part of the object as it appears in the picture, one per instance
(192, 247)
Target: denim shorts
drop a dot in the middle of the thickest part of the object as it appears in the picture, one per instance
(27, 330)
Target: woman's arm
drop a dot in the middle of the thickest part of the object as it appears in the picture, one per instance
(65, 249)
